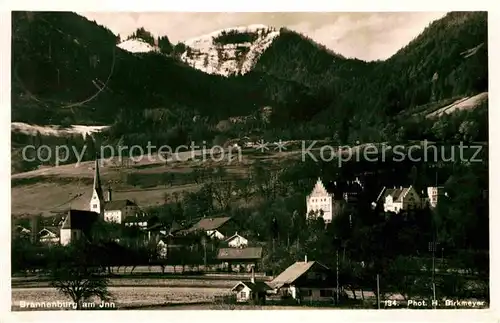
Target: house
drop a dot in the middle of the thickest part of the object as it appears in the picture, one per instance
(397, 199)
(49, 235)
(307, 281)
(76, 225)
(330, 200)
(215, 227)
(237, 241)
(21, 231)
(183, 243)
(251, 291)
(118, 210)
(243, 258)
(433, 194)
(136, 220)
(156, 229)
(162, 248)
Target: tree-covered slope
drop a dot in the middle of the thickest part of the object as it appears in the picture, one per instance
(67, 69)
(455, 48)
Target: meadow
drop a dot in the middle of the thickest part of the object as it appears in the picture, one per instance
(124, 297)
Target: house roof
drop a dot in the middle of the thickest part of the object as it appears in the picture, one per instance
(118, 205)
(396, 193)
(292, 273)
(79, 220)
(52, 229)
(257, 286)
(46, 233)
(21, 229)
(207, 224)
(236, 235)
(239, 254)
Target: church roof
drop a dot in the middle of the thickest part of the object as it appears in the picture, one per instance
(80, 220)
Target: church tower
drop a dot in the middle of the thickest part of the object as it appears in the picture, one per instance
(97, 200)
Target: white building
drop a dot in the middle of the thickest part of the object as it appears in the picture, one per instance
(237, 241)
(119, 210)
(48, 236)
(320, 200)
(77, 225)
(433, 194)
(398, 199)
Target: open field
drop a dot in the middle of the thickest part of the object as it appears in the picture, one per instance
(125, 296)
(159, 280)
(57, 189)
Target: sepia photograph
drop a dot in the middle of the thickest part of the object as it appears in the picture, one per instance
(249, 161)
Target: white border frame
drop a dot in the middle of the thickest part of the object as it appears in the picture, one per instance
(490, 315)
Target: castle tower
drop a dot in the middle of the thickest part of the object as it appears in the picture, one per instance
(320, 200)
(97, 201)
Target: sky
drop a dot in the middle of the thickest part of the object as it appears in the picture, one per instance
(363, 35)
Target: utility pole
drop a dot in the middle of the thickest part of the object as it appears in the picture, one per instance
(433, 273)
(378, 291)
(337, 293)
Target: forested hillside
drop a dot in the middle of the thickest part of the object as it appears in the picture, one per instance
(448, 59)
(68, 70)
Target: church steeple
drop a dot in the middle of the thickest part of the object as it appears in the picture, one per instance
(97, 179)
(97, 200)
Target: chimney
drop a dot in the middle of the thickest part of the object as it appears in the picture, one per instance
(252, 279)
(109, 194)
(305, 258)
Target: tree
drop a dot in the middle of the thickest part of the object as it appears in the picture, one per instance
(75, 272)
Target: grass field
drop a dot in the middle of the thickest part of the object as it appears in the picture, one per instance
(125, 296)
(143, 282)
(56, 189)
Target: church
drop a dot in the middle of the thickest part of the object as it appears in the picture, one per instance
(78, 223)
(110, 210)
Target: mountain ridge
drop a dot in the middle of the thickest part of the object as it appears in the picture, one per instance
(310, 89)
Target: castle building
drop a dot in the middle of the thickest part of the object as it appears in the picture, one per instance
(330, 200)
(320, 201)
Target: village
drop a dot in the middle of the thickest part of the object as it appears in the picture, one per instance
(214, 245)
